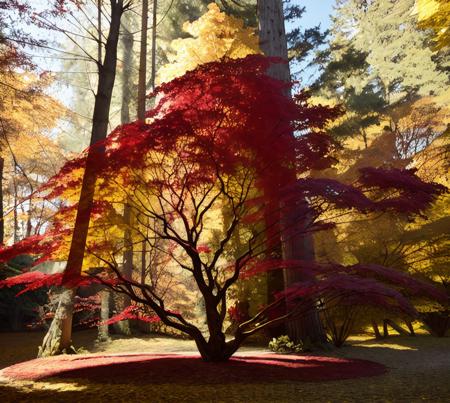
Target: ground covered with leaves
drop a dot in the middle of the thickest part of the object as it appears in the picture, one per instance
(417, 370)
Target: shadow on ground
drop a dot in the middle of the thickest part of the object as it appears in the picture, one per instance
(418, 370)
(190, 369)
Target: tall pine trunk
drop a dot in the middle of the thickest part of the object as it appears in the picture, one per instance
(121, 301)
(154, 23)
(59, 336)
(295, 244)
(141, 101)
(142, 90)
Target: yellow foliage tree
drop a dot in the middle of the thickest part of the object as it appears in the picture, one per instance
(213, 36)
(25, 107)
(28, 155)
(435, 15)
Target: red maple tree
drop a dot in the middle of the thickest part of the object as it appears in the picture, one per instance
(217, 148)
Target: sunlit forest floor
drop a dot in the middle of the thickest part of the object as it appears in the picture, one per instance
(418, 370)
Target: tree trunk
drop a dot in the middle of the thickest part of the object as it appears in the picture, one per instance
(396, 327)
(385, 329)
(143, 63)
(295, 244)
(121, 300)
(16, 318)
(2, 212)
(59, 335)
(154, 22)
(215, 349)
(103, 330)
(127, 82)
(376, 331)
(15, 217)
(410, 327)
(29, 226)
(142, 89)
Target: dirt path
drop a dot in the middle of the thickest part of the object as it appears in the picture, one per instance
(419, 370)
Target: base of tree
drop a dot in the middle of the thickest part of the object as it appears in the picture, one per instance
(58, 339)
(437, 322)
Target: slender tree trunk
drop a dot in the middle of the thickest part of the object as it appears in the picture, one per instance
(295, 243)
(58, 337)
(99, 31)
(15, 217)
(154, 22)
(410, 327)
(121, 301)
(29, 226)
(142, 90)
(141, 104)
(376, 331)
(2, 212)
(396, 327)
(103, 330)
(385, 329)
(127, 82)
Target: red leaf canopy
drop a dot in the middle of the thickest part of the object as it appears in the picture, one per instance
(229, 114)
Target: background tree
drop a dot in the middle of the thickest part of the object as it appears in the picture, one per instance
(58, 337)
(383, 127)
(363, 69)
(435, 14)
(296, 243)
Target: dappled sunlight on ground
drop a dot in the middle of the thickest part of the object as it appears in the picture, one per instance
(385, 345)
(418, 370)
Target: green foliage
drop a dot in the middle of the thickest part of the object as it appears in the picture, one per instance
(378, 58)
(301, 43)
(283, 344)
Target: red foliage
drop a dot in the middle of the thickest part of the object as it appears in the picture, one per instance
(350, 290)
(34, 280)
(222, 115)
(362, 284)
(131, 312)
(29, 246)
(335, 192)
(217, 119)
(414, 195)
(203, 249)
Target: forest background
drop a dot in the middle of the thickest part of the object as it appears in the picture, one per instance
(387, 64)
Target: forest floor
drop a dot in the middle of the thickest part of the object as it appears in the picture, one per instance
(418, 370)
